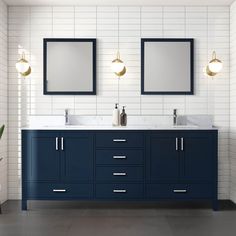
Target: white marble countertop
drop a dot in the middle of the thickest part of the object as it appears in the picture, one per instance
(109, 127)
(134, 123)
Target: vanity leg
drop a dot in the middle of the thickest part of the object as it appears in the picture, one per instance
(215, 205)
(24, 205)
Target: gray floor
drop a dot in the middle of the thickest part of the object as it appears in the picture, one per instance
(113, 219)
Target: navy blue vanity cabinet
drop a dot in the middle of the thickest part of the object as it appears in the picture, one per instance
(119, 165)
(182, 165)
(57, 165)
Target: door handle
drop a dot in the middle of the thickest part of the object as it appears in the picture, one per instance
(119, 174)
(62, 144)
(119, 140)
(176, 144)
(180, 191)
(182, 144)
(59, 190)
(119, 157)
(57, 143)
(119, 190)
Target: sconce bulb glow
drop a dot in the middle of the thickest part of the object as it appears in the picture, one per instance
(118, 66)
(215, 65)
(22, 66)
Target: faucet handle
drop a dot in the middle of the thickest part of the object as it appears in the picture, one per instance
(175, 117)
(66, 114)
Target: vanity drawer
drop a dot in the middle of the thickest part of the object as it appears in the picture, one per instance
(59, 191)
(119, 191)
(179, 191)
(119, 174)
(119, 157)
(119, 139)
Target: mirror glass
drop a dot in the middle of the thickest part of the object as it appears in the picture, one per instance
(69, 66)
(167, 66)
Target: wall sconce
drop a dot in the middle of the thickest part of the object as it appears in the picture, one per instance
(22, 66)
(214, 66)
(118, 66)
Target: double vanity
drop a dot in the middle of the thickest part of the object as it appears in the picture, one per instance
(136, 163)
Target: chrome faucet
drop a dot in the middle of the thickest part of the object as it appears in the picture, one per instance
(175, 116)
(66, 114)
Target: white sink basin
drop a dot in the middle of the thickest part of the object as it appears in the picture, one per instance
(184, 126)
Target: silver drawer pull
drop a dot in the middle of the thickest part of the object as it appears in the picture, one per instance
(57, 143)
(62, 144)
(119, 157)
(119, 174)
(119, 140)
(180, 191)
(59, 190)
(119, 191)
(182, 144)
(176, 144)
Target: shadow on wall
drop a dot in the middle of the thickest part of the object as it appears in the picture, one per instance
(1, 133)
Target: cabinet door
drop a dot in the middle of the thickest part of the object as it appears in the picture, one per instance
(43, 159)
(77, 157)
(197, 156)
(162, 157)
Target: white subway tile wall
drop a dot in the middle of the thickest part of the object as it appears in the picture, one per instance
(3, 100)
(118, 27)
(233, 102)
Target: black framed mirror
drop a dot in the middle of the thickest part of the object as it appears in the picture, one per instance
(69, 66)
(167, 66)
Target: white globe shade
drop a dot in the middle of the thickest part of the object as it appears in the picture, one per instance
(117, 66)
(22, 66)
(215, 65)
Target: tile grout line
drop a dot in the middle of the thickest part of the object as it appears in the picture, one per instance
(140, 9)
(96, 76)
(74, 37)
(162, 14)
(185, 35)
(52, 35)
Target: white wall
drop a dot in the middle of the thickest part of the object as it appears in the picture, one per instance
(29, 25)
(3, 99)
(233, 101)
